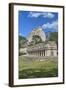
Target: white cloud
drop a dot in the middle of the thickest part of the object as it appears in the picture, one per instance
(48, 15)
(44, 14)
(20, 34)
(33, 14)
(53, 25)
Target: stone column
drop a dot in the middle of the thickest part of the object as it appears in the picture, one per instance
(43, 52)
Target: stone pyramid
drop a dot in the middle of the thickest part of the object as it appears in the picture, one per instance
(37, 31)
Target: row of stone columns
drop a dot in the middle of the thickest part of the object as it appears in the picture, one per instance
(38, 53)
(43, 53)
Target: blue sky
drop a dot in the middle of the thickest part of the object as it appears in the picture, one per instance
(29, 20)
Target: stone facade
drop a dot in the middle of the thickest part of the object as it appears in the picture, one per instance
(48, 49)
(42, 49)
(38, 31)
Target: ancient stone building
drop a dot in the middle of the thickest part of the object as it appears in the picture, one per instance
(39, 32)
(37, 45)
(44, 48)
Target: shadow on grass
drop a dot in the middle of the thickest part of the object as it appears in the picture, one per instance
(38, 73)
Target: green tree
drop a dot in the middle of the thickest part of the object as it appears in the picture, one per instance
(22, 41)
(36, 39)
(54, 37)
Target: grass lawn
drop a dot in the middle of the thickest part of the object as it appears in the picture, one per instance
(37, 69)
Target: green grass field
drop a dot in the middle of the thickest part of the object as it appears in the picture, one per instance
(37, 69)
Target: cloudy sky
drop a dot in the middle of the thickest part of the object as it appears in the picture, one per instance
(29, 20)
